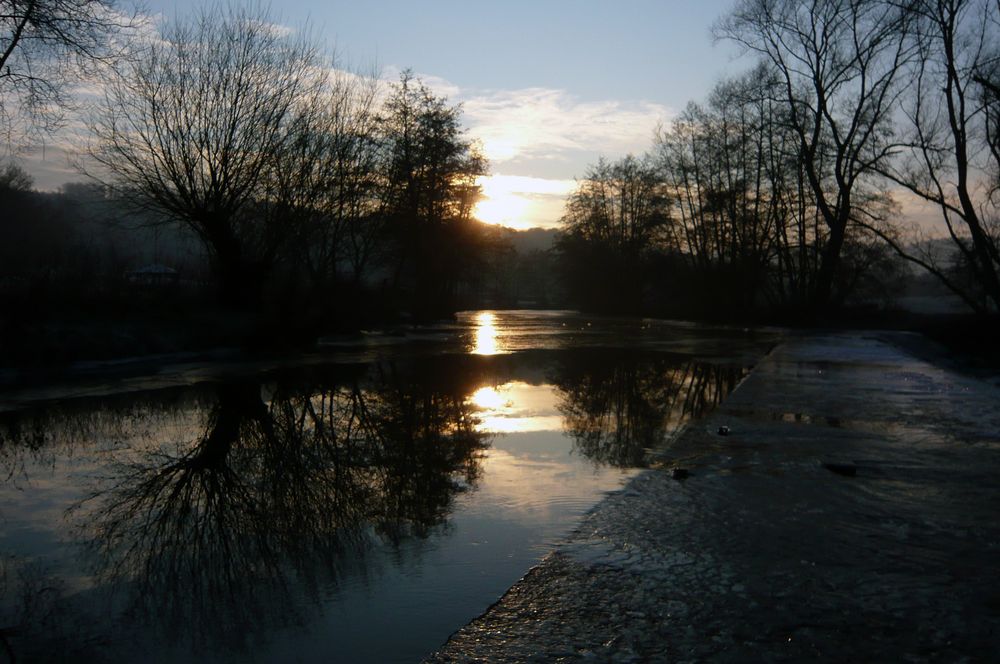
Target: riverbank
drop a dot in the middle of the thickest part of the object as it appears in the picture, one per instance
(848, 514)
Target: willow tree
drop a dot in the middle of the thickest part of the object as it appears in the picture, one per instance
(204, 125)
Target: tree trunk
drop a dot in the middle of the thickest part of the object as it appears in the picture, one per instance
(240, 283)
(829, 261)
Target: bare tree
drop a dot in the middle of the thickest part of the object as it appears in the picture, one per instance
(619, 213)
(351, 222)
(45, 46)
(622, 204)
(952, 155)
(201, 126)
(732, 168)
(840, 63)
(329, 181)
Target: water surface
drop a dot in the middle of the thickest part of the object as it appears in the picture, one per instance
(361, 504)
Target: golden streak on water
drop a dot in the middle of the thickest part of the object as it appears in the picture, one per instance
(487, 335)
(489, 398)
(516, 407)
(504, 424)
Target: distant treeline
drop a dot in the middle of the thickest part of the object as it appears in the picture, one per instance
(313, 191)
(233, 167)
(265, 186)
(84, 273)
(783, 191)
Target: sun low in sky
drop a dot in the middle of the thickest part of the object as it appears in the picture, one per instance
(521, 202)
(583, 79)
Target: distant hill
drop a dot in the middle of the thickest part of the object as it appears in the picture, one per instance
(533, 239)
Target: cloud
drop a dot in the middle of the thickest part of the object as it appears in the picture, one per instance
(521, 184)
(535, 124)
(538, 139)
(917, 214)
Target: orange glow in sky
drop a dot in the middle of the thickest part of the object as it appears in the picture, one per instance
(504, 210)
(520, 202)
(500, 206)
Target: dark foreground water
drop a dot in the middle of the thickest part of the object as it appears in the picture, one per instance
(357, 505)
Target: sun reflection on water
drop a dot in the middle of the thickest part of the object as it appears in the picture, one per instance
(487, 335)
(489, 398)
(516, 407)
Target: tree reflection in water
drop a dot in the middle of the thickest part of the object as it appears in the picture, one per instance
(277, 496)
(618, 405)
(221, 514)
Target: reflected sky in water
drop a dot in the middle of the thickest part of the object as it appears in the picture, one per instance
(349, 512)
(517, 407)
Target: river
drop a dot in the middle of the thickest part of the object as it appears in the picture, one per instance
(359, 503)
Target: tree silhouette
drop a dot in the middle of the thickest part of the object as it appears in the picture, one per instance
(739, 227)
(212, 126)
(45, 45)
(278, 494)
(952, 117)
(621, 406)
(841, 66)
(748, 226)
(615, 218)
(429, 191)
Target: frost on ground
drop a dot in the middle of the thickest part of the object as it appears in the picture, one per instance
(850, 514)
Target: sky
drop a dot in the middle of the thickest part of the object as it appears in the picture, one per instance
(546, 86)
